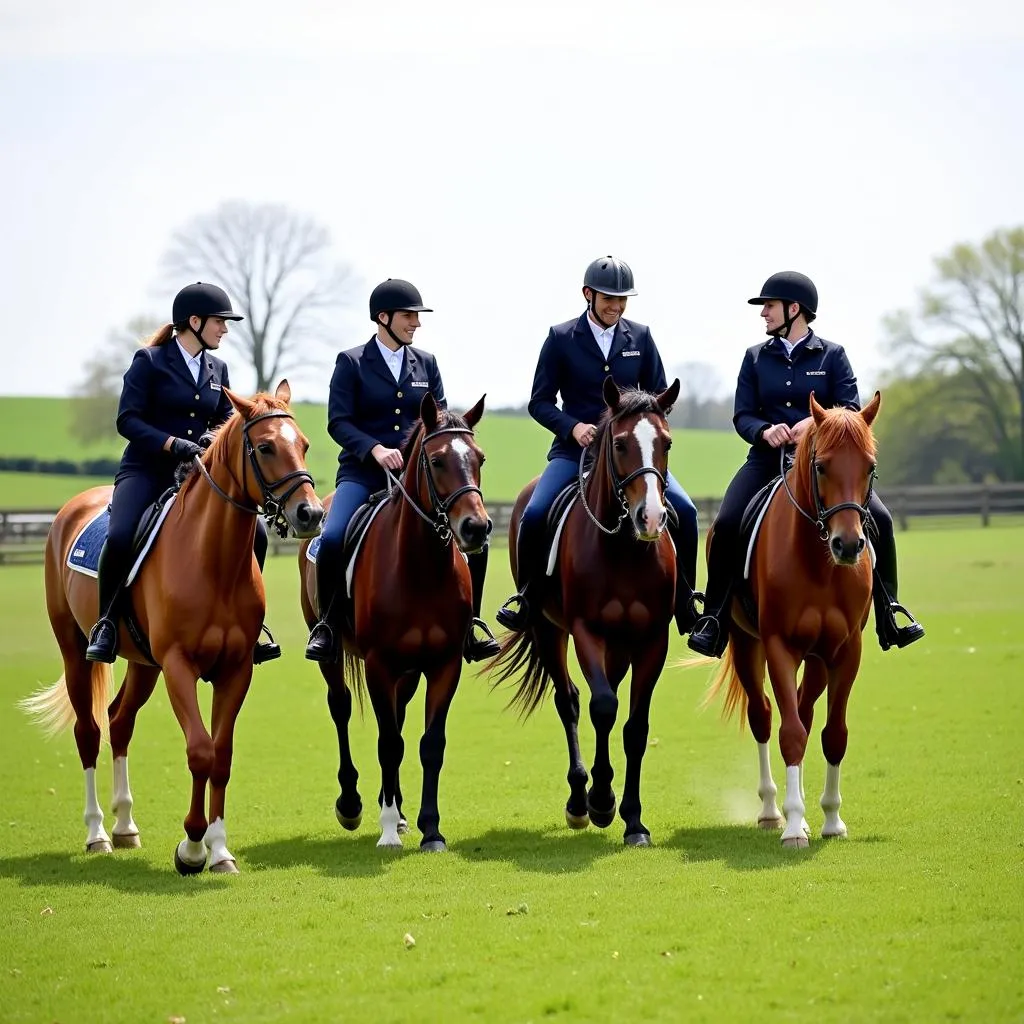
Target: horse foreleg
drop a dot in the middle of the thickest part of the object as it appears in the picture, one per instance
(604, 705)
(407, 686)
(441, 686)
(835, 735)
(390, 746)
(348, 808)
(634, 736)
(229, 692)
(782, 667)
(181, 678)
(137, 688)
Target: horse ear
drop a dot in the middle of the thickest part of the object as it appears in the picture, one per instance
(242, 405)
(668, 397)
(816, 411)
(472, 417)
(428, 412)
(284, 392)
(870, 411)
(612, 395)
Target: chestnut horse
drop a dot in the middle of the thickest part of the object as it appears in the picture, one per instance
(810, 580)
(199, 600)
(412, 606)
(614, 596)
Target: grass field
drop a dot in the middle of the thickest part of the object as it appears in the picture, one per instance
(917, 917)
(516, 446)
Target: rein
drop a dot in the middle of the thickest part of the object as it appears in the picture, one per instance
(618, 485)
(272, 505)
(437, 518)
(821, 514)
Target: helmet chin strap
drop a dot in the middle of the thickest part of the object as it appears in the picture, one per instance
(787, 323)
(199, 333)
(593, 310)
(387, 327)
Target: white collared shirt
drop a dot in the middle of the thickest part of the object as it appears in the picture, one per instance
(194, 363)
(602, 335)
(393, 359)
(790, 345)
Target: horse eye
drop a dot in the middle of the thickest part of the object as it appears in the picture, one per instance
(668, 444)
(619, 445)
(483, 458)
(437, 462)
(265, 448)
(819, 468)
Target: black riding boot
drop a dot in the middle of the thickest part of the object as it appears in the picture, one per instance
(479, 648)
(522, 608)
(686, 576)
(890, 633)
(324, 640)
(113, 570)
(710, 634)
(268, 651)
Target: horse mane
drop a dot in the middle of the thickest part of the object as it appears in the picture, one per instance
(632, 402)
(218, 450)
(445, 419)
(840, 427)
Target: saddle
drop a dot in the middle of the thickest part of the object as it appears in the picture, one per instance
(354, 534)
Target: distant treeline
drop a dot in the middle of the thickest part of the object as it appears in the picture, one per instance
(60, 467)
(689, 413)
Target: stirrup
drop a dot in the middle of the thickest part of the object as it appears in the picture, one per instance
(891, 634)
(688, 614)
(710, 646)
(483, 648)
(514, 614)
(107, 653)
(263, 652)
(322, 645)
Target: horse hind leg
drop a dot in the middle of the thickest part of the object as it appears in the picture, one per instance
(390, 748)
(348, 808)
(137, 688)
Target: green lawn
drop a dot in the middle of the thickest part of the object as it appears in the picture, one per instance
(516, 447)
(917, 917)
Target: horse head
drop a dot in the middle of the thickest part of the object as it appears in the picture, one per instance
(446, 461)
(635, 439)
(838, 460)
(265, 454)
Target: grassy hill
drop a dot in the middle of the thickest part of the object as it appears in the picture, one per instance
(516, 447)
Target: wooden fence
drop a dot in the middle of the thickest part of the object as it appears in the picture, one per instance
(23, 531)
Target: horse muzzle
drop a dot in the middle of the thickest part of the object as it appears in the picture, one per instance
(645, 528)
(305, 518)
(846, 550)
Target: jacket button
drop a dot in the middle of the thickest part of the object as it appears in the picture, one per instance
(192, 414)
(789, 404)
(607, 368)
(197, 398)
(399, 395)
(397, 427)
(189, 432)
(398, 412)
(788, 382)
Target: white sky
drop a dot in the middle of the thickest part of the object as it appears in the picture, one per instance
(489, 152)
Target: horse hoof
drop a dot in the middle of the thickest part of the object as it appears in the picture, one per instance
(771, 824)
(577, 821)
(602, 819)
(224, 867)
(183, 867)
(349, 824)
(433, 846)
(638, 839)
(127, 841)
(99, 846)
(843, 834)
(389, 844)
(796, 843)
(403, 826)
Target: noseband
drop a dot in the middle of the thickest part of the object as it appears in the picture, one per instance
(272, 505)
(618, 485)
(822, 514)
(437, 517)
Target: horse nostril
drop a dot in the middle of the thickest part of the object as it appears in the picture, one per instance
(837, 546)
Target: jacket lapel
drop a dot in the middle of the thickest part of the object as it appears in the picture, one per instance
(410, 365)
(585, 338)
(176, 361)
(205, 371)
(621, 339)
(373, 358)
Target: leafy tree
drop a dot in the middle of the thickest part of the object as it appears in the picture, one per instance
(969, 331)
(277, 267)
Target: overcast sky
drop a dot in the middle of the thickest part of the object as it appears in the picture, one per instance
(488, 152)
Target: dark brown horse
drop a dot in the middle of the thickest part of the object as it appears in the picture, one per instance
(199, 600)
(810, 580)
(412, 605)
(614, 596)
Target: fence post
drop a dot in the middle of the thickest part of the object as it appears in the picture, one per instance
(985, 505)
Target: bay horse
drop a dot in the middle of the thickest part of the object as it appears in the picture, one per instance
(199, 599)
(411, 608)
(810, 580)
(614, 596)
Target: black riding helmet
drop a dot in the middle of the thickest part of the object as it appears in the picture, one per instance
(395, 296)
(789, 286)
(201, 300)
(609, 276)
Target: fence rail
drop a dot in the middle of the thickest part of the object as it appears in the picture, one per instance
(23, 531)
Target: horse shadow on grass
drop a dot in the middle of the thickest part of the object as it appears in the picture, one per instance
(745, 848)
(334, 856)
(554, 851)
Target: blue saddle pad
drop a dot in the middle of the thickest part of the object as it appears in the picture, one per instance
(314, 547)
(85, 552)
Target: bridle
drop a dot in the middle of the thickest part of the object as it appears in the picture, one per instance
(437, 517)
(618, 484)
(822, 514)
(272, 504)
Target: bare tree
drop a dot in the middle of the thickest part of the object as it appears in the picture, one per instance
(970, 326)
(276, 265)
(94, 413)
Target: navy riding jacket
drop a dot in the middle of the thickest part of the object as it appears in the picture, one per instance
(774, 387)
(160, 399)
(571, 364)
(367, 406)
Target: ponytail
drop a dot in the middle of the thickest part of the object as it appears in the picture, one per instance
(161, 337)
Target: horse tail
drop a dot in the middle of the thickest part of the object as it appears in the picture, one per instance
(51, 709)
(735, 696)
(519, 654)
(355, 676)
